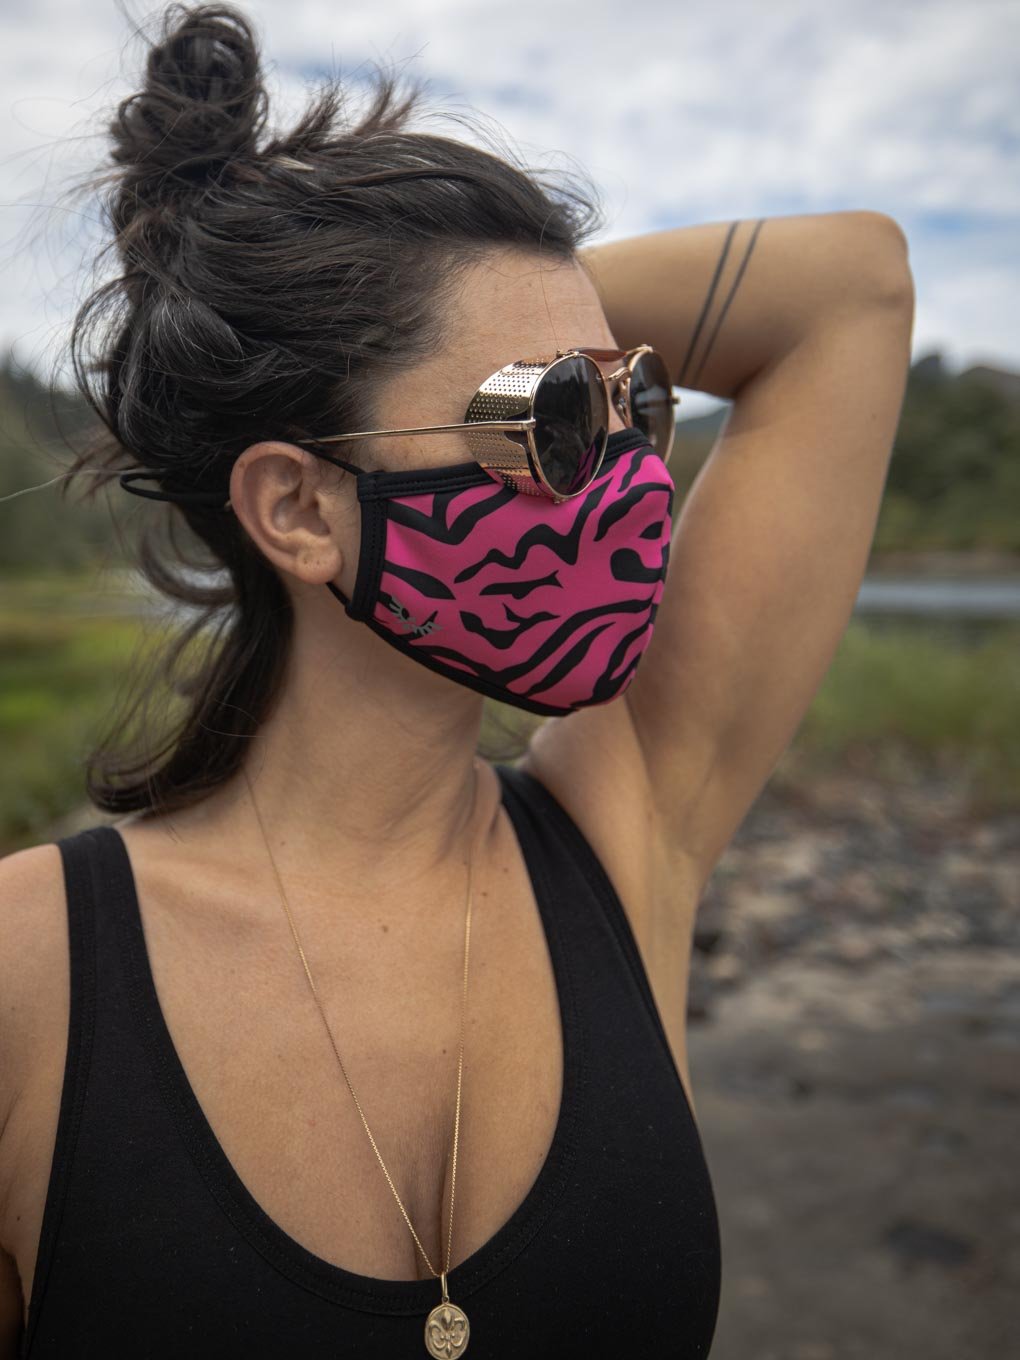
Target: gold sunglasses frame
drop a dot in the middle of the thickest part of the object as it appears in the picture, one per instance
(493, 413)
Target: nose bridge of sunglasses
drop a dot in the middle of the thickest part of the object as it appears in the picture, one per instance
(618, 387)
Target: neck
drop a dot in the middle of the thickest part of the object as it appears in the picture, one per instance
(363, 776)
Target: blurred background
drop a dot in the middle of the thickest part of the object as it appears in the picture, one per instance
(854, 1012)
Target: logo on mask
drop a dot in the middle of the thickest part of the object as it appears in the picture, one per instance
(410, 624)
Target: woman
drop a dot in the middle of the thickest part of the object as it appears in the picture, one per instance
(342, 1038)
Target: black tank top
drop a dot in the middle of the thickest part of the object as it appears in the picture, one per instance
(152, 1247)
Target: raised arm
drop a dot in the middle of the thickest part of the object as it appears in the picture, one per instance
(805, 324)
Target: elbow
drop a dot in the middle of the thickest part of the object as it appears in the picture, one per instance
(891, 280)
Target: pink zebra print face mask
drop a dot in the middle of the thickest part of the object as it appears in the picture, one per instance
(547, 607)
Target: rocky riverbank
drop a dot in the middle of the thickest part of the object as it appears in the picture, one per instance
(855, 1057)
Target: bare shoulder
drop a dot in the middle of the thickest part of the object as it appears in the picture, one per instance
(34, 973)
(34, 1005)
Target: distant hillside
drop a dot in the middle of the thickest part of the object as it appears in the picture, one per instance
(1005, 383)
(954, 480)
(43, 529)
(954, 477)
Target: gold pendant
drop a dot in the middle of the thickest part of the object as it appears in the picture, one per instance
(446, 1331)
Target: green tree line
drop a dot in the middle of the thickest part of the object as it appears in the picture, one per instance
(47, 529)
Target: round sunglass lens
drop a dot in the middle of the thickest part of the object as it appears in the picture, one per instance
(651, 402)
(571, 423)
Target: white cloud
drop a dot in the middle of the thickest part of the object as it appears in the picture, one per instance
(680, 113)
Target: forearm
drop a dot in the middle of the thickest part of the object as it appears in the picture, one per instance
(721, 300)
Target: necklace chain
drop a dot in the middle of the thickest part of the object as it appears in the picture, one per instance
(460, 1060)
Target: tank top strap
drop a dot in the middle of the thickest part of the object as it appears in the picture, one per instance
(78, 857)
(102, 908)
(99, 893)
(555, 834)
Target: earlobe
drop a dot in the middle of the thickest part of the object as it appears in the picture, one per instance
(318, 566)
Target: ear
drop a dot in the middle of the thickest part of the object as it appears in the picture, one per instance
(303, 520)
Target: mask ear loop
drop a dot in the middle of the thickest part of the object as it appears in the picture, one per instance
(209, 498)
(340, 462)
(214, 499)
(331, 586)
(206, 498)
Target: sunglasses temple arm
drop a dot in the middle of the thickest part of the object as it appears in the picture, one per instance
(426, 429)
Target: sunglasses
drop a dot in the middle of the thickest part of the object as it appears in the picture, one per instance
(542, 426)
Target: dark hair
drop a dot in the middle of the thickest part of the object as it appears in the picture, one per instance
(267, 290)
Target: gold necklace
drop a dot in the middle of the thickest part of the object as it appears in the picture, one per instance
(446, 1327)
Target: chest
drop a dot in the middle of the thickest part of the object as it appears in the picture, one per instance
(259, 1060)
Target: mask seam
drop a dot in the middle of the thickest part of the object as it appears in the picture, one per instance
(369, 560)
(384, 485)
(461, 477)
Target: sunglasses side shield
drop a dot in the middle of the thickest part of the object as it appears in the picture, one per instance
(567, 402)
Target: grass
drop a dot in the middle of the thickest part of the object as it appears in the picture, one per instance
(56, 678)
(922, 700)
(896, 702)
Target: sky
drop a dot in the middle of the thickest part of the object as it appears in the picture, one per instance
(680, 111)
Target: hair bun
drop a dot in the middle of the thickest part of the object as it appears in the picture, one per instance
(203, 103)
